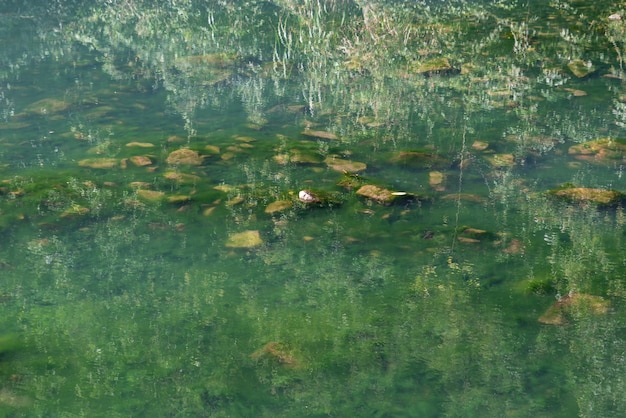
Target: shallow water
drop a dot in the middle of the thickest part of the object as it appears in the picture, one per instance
(124, 291)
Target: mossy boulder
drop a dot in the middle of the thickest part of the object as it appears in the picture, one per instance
(341, 165)
(436, 65)
(319, 134)
(382, 195)
(601, 151)
(278, 206)
(245, 239)
(419, 159)
(599, 197)
(99, 162)
(184, 156)
(572, 305)
(580, 68)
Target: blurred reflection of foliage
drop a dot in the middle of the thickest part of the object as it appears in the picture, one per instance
(363, 62)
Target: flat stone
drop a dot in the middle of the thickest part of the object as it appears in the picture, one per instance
(501, 160)
(278, 206)
(341, 165)
(140, 144)
(47, 106)
(376, 193)
(434, 66)
(181, 177)
(589, 195)
(319, 134)
(557, 313)
(140, 160)
(99, 162)
(150, 195)
(245, 239)
(580, 68)
(601, 151)
(480, 145)
(435, 180)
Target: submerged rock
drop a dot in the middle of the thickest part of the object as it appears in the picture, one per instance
(319, 134)
(419, 159)
(141, 160)
(341, 165)
(438, 65)
(99, 162)
(598, 197)
(277, 352)
(150, 195)
(279, 206)
(580, 68)
(436, 180)
(184, 156)
(245, 239)
(47, 106)
(140, 144)
(602, 151)
(571, 304)
(501, 160)
(380, 194)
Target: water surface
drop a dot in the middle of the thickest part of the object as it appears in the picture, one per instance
(145, 270)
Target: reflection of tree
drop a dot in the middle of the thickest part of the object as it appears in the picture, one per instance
(404, 74)
(363, 62)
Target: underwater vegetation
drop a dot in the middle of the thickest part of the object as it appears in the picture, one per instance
(312, 208)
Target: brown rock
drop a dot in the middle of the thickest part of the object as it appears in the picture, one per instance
(245, 239)
(589, 195)
(319, 134)
(99, 162)
(376, 193)
(573, 303)
(140, 144)
(140, 160)
(184, 156)
(340, 165)
(278, 206)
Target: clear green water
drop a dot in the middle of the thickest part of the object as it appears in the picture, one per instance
(118, 302)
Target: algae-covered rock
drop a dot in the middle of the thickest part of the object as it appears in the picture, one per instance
(600, 197)
(501, 160)
(298, 156)
(319, 134)
(277, 352)
(351, 181)
(580, 68)
(436, 180)
(245, 239)
(141, 160)
(184, 156)
(438, 65)
(419, 159)
(378, 194)
(47, 106)
(602, 151)
(279, 206)
(342, 165)
(181, 177)
(150, 195)
(140, 144)
(74, 211)
(571, 305)
(99, 162)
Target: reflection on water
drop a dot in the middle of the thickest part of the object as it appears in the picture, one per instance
(312, 208)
